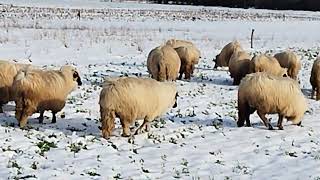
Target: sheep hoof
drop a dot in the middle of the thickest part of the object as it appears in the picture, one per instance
(280, 127)
(299, 124)
(248, 125)
(1, 110)
(270, 127)
(125, 135)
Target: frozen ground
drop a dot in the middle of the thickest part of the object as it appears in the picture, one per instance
(197, 140)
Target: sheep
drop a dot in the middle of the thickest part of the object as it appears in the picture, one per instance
(189, 56)
(315, 79)
(239, 65)
(42, 90)
(269, 94)
(130, 98)
(163, 63)
(175, 43)
(266, 63)
(8, 71)
(222, 59)
(289, 60)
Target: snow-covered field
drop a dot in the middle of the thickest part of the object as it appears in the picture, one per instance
(198, 139)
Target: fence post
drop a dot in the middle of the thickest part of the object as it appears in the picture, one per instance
(252, 38)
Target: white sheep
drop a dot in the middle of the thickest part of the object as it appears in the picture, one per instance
(239, 66)
(289, 60)
(42, 90)
(163, 63)
(8, 71)
(130, 98)
(315, 79)
(189, 56)
(269, 94)
(266, 63)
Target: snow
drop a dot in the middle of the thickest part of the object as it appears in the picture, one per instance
(197, 140)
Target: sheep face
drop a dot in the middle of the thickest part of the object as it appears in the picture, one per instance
(215, 61)
(77, 78)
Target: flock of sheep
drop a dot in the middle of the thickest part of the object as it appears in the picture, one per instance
(267, 85)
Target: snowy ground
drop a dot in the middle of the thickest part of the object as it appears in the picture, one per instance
(197, 140)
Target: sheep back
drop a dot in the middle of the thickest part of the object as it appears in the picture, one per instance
(175, 43)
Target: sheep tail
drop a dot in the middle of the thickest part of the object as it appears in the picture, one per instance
(162, 71)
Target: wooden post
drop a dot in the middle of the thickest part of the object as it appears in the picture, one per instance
(252, 38)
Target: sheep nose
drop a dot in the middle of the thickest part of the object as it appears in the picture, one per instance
(79, 81)
(175, 104)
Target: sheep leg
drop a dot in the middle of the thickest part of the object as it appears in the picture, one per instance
(125, 129)
(250, 111)
(145, 126)
(26, 112)
(1, 110)
(318, 94)
(41, 117)
(280, 122)
(54, 118)
(107, 121)
(299, 124)
(265, 120)
(188, 71)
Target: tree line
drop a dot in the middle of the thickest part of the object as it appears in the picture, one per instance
(265, 4)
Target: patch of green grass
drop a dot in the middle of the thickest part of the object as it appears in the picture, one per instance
(45, 146)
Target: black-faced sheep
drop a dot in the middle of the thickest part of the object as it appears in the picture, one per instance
(289, 60)
(189, 56)
(270, 94)
(163, 63)
(8, 71)
(315, 79)
(222, 59)
(266, 63)
(130, 99)
(239, 66)
(42, 90)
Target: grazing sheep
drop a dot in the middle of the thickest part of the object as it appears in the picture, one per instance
(8, 71)
(42, 90)
(130, 98)
(289, 60)
(269, 94)
(189, 56)
(222, 59)
(175, 43)
(315, 79)
(163, 63)
(239, 65)
(269, 64)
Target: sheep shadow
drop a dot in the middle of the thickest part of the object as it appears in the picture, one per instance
(307, 93)
(67, 126)
(216, 122)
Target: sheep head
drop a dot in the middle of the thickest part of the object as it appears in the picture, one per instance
(72, 71)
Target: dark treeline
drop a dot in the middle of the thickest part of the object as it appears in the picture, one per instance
(265, 4)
